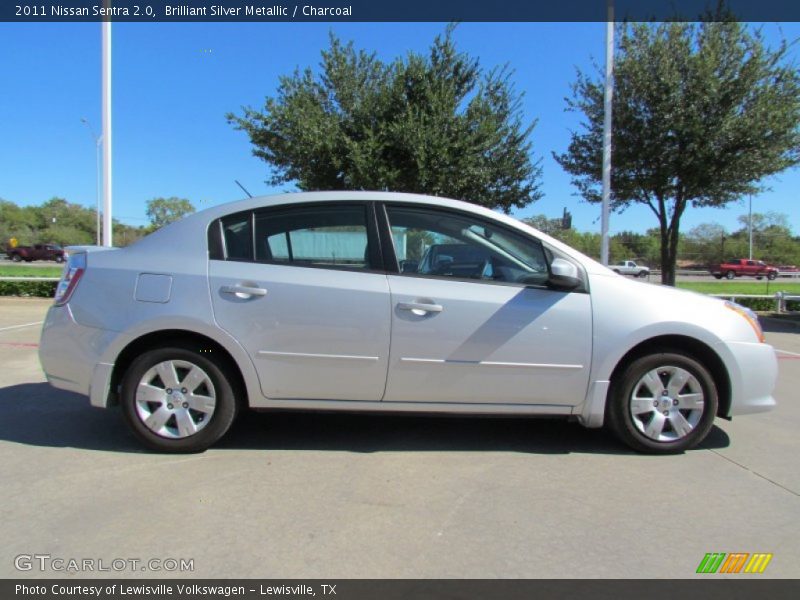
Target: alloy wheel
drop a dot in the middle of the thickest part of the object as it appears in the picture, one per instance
(175, 399)
(667, 403)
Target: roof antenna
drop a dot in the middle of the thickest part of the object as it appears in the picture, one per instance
(249, 195)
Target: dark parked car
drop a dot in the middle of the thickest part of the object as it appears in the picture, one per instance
(36, 252)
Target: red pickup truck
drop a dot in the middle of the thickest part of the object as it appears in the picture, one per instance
(36, 252)
(738, 267)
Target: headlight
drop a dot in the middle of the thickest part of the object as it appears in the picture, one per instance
(748, 316)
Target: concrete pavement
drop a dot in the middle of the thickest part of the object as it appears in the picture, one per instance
(337, 495)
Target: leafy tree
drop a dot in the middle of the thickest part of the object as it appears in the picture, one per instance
(65, 235)
(15, 222)
(545, 224)
(702, 112)
(434, 124)
(705, 244)
(125, 235)
(772, 238)
(163, 211)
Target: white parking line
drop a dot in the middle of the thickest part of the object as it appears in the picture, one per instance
(21, 326)
(787, 352)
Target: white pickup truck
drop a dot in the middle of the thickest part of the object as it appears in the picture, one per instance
(628, 267)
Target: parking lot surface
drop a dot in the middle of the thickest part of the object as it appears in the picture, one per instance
(304, 495)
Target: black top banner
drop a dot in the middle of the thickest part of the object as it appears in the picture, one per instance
(150, 11)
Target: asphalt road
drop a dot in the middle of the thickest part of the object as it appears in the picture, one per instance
(314, 495)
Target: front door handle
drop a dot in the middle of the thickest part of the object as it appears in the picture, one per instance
(243, 291)
(420, 308)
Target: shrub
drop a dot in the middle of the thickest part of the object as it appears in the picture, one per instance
(43, 289)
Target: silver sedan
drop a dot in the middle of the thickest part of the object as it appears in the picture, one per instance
(390, 302)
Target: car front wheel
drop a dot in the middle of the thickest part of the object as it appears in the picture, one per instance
(730, 275)
(176, 400)
(771, 275)
(662, 403)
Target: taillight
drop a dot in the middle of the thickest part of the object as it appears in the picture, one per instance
(76, 265)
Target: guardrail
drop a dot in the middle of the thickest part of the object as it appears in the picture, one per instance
(703, 273)
(780, 298)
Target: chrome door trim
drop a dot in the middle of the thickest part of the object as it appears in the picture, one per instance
(312, 355)
(489, 363)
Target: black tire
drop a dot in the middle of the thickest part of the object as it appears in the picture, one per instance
(643, 274)
(621, 420)
(616, 271)
(772, 275)
(759, 277)
(59, 259)
(717, 275)
(223, 415)
(730, 275)
(16, 258)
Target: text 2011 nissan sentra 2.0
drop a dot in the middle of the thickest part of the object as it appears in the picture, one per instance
(390, 302)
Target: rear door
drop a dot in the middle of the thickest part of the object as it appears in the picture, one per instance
(301, 288)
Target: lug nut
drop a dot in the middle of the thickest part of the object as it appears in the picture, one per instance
(169, 406)
(666, 413)
(185, 405)
(674, 403)
(183, 390)
(655, 402)
(169, 390)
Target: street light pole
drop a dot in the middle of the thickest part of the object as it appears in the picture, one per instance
(106, 104)
(750, 226)
(607, 104)
(98, 141)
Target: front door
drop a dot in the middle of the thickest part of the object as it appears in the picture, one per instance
(473, 319)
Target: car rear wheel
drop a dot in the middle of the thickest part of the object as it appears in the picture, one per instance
(177, 400)
(59, 259)
(771, 275)
(730, 275)
(643, 274)
(16, 257)
(662, 403)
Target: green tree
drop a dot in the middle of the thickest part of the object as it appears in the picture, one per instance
(772, 238)
(705, 244)
(163, 211)
(545, 224)
(15, 222)
(702, 112)
(434, 124)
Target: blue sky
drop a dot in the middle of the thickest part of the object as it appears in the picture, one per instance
(173, 84)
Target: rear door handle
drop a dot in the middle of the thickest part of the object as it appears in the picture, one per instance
(420, 308)
(243, 291)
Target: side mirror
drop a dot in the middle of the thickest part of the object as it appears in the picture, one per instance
(563, 275)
